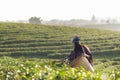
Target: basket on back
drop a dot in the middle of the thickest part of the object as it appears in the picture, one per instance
(82, 61)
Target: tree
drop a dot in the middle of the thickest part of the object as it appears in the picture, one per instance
(35, 20)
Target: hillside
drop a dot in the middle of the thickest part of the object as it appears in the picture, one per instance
(49, 41)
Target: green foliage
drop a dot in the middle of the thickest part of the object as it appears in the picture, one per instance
(23, 69)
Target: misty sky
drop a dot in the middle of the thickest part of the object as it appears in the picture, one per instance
(58, 9)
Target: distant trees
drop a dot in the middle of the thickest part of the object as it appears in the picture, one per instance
(35, 20)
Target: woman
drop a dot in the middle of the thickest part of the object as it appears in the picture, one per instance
(78, 57)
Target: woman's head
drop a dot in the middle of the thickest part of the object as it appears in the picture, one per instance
(77, 47)
(75, 39)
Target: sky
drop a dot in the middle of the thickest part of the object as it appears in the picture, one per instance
(58, 9)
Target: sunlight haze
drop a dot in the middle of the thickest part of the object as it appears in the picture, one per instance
(58, 9)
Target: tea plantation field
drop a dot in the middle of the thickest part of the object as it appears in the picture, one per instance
(28, 50)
